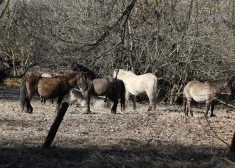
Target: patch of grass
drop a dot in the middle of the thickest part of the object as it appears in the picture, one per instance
(12, 81)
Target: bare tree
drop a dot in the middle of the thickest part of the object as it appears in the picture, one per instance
(176, 40)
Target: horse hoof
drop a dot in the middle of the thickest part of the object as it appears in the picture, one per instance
(113, 112)
(29, 112)
(206, 116)
(212, 115)
(88, 112)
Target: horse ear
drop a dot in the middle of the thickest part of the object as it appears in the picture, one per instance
(117, 71)
(72, 66)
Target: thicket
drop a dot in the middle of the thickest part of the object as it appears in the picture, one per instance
(177, 40)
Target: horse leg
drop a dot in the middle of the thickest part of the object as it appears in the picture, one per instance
(29, 108)
(127, 98)
(60, 98)
(87, 98)
(207, 108)
(189, 108)
(133, 98)
(114, 107)
(185, 107)
(152, 104)
(28, 105)
(212, 109)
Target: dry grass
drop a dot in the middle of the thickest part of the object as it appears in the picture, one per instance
(12, 81)
(132, 139)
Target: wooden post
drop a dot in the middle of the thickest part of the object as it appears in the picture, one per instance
(232, 147)
(54, 127)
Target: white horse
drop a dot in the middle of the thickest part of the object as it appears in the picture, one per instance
(139, 85)
(47, 75)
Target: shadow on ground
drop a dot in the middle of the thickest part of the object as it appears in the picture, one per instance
(9, 93)
(131, 154)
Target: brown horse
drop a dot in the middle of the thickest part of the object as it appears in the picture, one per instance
(46, 75)
(207, 92)
(46, 87)
(110, 87)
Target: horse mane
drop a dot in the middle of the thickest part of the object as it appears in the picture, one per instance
(85, 80)
(125, 71)
(81, 68)
(218, 81)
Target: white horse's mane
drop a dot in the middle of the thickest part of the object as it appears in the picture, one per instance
(125, 71)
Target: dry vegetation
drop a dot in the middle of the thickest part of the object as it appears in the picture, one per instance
(176, 40)
(141, 139)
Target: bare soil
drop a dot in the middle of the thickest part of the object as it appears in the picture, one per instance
(131, 139)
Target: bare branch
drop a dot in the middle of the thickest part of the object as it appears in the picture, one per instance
(5, 8)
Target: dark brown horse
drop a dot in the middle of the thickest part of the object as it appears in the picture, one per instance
(207, 92)
(110, 87)
(76, 67)
(46, 87)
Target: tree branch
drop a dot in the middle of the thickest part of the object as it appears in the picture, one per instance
(5, 8)
(107, 32)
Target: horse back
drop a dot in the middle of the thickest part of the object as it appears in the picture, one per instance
(199, 91)
(51, 87)
(141, 84)
(101, 86)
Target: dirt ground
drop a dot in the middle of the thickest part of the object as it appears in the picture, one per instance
(131, 139)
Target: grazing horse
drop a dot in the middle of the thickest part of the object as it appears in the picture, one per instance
(46, 87)
(139, 85)
(207, 92)
(107, 86)
(95, 101)
(43, 100)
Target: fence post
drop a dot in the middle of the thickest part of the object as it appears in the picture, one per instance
(232, 148)
(55, 125)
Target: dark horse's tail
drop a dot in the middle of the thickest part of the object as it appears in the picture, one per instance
(23, 94)
(122, 95)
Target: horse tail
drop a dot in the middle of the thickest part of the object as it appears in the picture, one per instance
(23, 95)
(122, 95)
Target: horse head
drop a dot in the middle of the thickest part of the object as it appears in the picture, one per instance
(81, 69)
(227, 88)
(83, 81)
